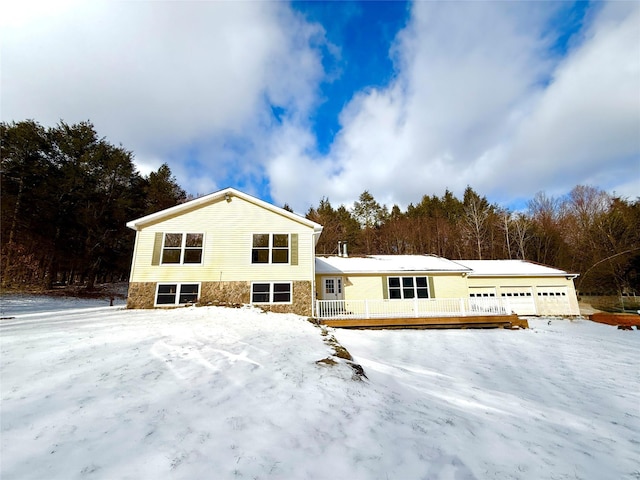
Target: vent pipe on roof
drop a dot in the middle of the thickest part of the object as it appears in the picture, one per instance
(339, 249)
(344, 247)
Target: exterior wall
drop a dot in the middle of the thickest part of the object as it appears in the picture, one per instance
(450, 286)
(142, 295)
(518, 281)
(228, 229)
(363, 287)
(301, 301)
(225, 292)
(374, 287)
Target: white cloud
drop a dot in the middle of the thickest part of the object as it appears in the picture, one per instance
(162, 76)
(586, 126)
(479, 100)
(440, 123)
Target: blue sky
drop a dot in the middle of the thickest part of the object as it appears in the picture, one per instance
(364, 32)
(293, 102)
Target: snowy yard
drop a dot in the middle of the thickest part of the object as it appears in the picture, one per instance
(217, 393)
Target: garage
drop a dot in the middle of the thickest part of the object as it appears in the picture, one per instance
(519, 299)
(526, 288)
(483, 299)
(553, 300)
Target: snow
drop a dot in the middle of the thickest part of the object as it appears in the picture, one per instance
(386, 264)
(236, 393)
(14, 304)
(510, 268)
(432, 263)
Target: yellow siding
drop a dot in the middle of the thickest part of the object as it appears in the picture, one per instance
(363, 288)
(450, 286)
(373, 287)
(518, 281)
(228, 228)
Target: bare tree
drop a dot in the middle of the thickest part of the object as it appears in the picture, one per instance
(522, 229)
(477, 212)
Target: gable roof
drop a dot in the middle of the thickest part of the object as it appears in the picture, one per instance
(387, 264)
(200, 202)
(511, 268)
(373, 264)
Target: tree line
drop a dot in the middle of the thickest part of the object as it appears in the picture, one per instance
(66, 197)
(588, 231)
(67, 194)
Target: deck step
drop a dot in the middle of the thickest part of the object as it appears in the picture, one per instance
(483, 321)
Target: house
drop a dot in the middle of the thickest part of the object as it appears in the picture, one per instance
(226, 247)
(419, 286)
(389, 277)
(231, 248)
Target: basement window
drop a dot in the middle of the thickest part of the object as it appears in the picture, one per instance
(271, 292)
(169, 294)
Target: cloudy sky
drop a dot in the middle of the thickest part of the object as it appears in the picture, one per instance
(293, 102)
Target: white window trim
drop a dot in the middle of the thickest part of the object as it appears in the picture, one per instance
(270, 248)
(271, 293)
(183, 248)
(415, 287)
(178, 286)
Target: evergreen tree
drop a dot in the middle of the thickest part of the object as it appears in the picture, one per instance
(162, 190)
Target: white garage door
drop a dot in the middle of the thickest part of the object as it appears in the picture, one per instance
(519, 299)
(484, 300)
(553, 301)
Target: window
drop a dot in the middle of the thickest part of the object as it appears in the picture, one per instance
(181, 248)
(271, 292)
(270, 248)
(177, 293)
(329, 285)
(408, 287)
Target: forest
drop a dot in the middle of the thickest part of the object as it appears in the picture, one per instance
(66, 197)
(67, 194)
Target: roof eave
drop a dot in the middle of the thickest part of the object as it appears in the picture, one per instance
(539, 274)
(390, 272)
(141, 222)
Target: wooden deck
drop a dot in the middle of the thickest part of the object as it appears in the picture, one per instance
(619, 319)
(480, 321)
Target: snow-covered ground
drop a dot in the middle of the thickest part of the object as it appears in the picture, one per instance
(215, 393)
(19, 304)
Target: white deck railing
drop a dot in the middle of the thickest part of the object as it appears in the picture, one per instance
(416, 308)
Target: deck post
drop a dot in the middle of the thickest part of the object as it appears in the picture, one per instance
(366, 309)
(462, 312)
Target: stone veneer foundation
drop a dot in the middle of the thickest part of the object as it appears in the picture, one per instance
(142, 295)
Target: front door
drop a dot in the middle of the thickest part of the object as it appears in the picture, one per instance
(332, 288)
